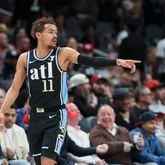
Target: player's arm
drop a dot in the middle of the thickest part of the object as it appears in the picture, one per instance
(16, 84)
(75, 57)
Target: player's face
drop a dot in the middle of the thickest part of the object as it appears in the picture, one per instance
(49, 35)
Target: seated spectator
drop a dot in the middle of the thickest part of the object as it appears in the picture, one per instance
(151, 152)
(101, 88)
(156, 88)
(85, 100)
(22, 108)
(106, 131)
(80, 137)
(13, 140)
(3, 159)
(143, 98)
(160, 132)
(123, 103)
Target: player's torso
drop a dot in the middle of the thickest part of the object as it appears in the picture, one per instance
(46, 80)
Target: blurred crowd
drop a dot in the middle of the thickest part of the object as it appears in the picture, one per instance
(105, 105)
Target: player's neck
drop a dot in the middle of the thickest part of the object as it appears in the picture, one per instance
(42, 52)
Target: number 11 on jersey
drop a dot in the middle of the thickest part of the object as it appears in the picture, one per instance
(47, 86)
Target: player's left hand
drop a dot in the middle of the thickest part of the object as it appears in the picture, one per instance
(102, 148)
(128, 64)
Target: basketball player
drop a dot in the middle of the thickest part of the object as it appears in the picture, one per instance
(45, 68)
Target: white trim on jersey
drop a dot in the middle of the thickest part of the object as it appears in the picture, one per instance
(41, 59)
(62, 127)
(27, 70)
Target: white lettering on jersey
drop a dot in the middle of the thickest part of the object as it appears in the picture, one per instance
(43, 72)
(34, 74)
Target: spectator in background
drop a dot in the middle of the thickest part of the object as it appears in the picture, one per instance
(102, 89)
(153, 12)
(22, 108)
(14, 141)
(3, 28)
(71, 147)
(80, 137)
(160, 132)
(156, 88)
(10, 61)
(19, 32)
(151, 63)
(62, 35)
(129, 80)
(89, 36)
(22, 44)
(106, 131)
(160, 47)
(85, 100)
(134, 45)
(162, 94)
(3, 160)
(143, 98)
(122, 34)
(123, 104)
(151, 152)
(4, 46)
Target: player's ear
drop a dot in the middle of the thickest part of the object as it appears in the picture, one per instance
(38, 35)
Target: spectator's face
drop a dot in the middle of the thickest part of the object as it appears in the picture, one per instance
(23, 44)
(159, 93)
(3, 40)
(10, 117)
(72, 43)
(125, 103)
(151, 57)
(106, 117)
(102, 88)
(147, 97)
(84, 88)
(48, 37)
(150, 127)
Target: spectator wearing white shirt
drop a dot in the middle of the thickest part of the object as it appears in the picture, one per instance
(80, 137)
(13, 140)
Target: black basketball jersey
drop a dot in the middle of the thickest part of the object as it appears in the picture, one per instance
(47, 82)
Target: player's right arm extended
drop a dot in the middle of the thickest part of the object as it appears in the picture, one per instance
(16, 84)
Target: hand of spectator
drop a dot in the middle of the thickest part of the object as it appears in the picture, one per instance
(101, 149)
(127, 146)
(139, 142)
(10, 153)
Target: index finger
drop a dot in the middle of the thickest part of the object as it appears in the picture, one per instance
(135, 61)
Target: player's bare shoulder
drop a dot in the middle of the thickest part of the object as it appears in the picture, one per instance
(69, 54)
(22, 60)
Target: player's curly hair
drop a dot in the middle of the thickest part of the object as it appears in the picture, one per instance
(39, 24)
